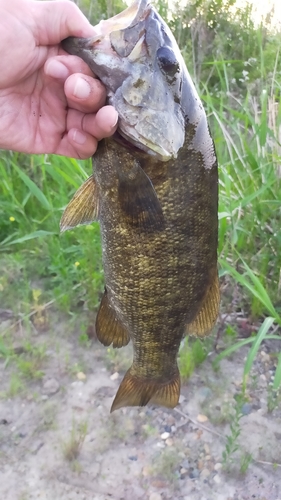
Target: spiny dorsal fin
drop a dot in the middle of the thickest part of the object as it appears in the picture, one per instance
(135, 391)
(206, 318)
(83, 208)
(139, 201)
(109, 329)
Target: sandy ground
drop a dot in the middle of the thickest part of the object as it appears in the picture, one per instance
(59, 441)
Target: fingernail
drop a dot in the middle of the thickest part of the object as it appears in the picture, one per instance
(79, 137)
(56, 69)
(115, 121)
(82, 89)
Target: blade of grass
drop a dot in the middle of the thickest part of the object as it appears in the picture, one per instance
(277, 376)
(33, 188)
(256, 287)
(267, 324)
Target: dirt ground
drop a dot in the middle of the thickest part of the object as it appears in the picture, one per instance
(59, 441)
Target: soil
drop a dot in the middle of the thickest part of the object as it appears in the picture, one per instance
(58, 439)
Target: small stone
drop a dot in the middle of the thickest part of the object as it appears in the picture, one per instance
(207, 448)
(181, 399)
(246, 409)
(208, 457)
(194, 473)
(183, 471)
(81, 376)
(169, 442)
(165, 435)
(160, 445)
(51, 386)
(114, 376)
(217, 479)
(200, 464)
(155, 496)
(133, 458)
(217, 466)
(167, 428)
(263, 377)
(204, 473)
(202, 418)
(185, 464)
(146, 471)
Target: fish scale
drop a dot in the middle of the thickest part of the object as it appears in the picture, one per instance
(157, 206)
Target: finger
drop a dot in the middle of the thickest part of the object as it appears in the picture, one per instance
(84, 145)
(55, 21)
(99, 125)
(62, 66)
(84, 93)
(104, 124)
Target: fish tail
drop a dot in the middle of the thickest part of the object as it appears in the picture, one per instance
(136, 391)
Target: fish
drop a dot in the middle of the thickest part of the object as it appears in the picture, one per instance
(154, 191)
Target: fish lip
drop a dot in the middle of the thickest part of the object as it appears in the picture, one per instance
(132, 145)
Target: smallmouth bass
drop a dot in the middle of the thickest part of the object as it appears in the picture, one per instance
(155, 193)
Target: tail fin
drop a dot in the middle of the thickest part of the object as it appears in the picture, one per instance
(135, 391)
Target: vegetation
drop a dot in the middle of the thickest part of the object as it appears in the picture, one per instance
(236, 66)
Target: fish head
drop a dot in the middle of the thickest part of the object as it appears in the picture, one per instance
(137, 58)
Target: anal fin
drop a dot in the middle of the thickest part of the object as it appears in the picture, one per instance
(109, 329)
(206, 318)
(135, 391)
(83, 208)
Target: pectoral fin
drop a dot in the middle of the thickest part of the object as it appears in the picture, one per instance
(139, 201)
(109, 329)
(206, 318)
(83, 208)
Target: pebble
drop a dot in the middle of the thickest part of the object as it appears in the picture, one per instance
(51, 386)
(165, 435)
(185, 464)
(204, 473)
(160, 445)
(194, 473)
(133, 457)
(81, 376)
(246, 409)
(202, 418)
(169, 442)
(217, 466)
(155, 496)
(114, 376)
(167, 428)
(217, 479)
(207, 448)
(181, 399)
(146, 471)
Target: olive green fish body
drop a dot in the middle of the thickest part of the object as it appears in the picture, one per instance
(157, 208)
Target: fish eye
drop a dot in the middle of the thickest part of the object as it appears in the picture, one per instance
(167, 61)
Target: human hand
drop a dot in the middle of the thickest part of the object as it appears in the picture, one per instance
(49, 101)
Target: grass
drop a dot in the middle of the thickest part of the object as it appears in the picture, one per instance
(73, 445)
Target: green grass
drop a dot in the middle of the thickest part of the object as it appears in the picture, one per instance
(32, 197)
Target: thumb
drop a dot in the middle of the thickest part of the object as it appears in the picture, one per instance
(56, 20)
